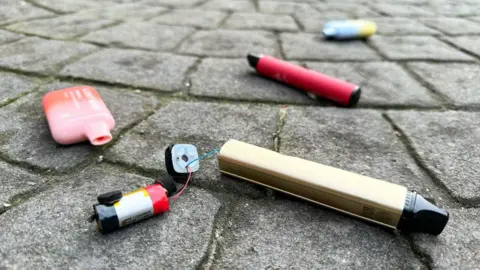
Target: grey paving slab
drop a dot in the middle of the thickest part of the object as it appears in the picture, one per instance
(382, 83)
(417, 48)
(287, 234)
(461, 84)
(235, 79)
(243, 20)
(13, 10)
(195, 18)
(6, 37)
(399, 10)
(229, 43)
(276, 7)
(401, 26)
(356, 10)
(469, 43)
(454, 8)
(26, 136)
(73, 5)
(141, 35)
(359, 141)
(15, 181)
(458, 247)
(174, 3)
(127, 11)
(62, 236)
(313, 21)
(13, 86)
(41, 55)
(208, 126)
(453, 26)
(448, 144)
(160, 71)
(233, 5)
(62, 27)
(301, 46)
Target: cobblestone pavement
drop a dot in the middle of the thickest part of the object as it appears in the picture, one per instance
(174, 71)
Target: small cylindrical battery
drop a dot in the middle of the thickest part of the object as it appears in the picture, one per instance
(339, 91)
(349, 29)
(131, 207)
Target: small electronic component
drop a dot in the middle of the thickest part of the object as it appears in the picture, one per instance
(371, 199)
(349, 29)
(115, 210)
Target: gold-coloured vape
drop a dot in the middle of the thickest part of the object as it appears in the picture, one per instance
(371, 199)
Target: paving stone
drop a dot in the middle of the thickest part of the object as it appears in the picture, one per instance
(232, 5)
(60, 234)
(313, 21)
(383, 83)
(73, 5)
(15, 181)
(6, 37)
(275, 7)
(14, 85)
(40, 55)
(144, 35)
(361, 142)
(475, 18)
(25, 136)
(417, 48)
(447, 143)
(401, 26)
(242, 20)
(128, 11)
(453, 26)
(234, 79)
(63, 27)
(310, 46)
(287, 234)
(229, 43)
(458, 247)
(17, 10)
(174, 3)
(208, 126)
(356, 10)
(196, 18)
(461, 84)
(160, 71)
(469, 43)
(398, 10)
(455, 9)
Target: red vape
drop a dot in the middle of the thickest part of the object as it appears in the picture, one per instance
(341, 92)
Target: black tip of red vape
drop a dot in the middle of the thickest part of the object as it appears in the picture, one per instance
(253, 60)
(355, 96)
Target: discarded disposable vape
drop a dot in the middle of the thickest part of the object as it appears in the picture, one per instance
(78, 114)
(374, 200)
(341, 92)
(115, 210)
(349, 29)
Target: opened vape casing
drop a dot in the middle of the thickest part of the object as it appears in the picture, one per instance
(371, 199)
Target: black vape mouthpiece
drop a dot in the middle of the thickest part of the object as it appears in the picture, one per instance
(253, 60)
(419, 215)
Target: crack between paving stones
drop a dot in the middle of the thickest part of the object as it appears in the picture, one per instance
(34, 3)
(423, 257)
(435, 181)
(467, 52)
(219, 226)
(188, 74)
(280, 50)
(222, 23)
(35, 88)
(301, 27)
(281, 119)
(441, 97)
(176, 49)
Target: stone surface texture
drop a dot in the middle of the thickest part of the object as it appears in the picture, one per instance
(175, 71)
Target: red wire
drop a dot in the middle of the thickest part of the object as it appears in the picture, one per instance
(184, 186)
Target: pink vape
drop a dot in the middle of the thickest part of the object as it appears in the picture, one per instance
(78, 114)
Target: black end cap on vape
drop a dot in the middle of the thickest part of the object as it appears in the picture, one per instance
(107, 219)
(419, 215)
(179, 177)
(168, 183)
(109, 198)
(355, 96)
(253, 60)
